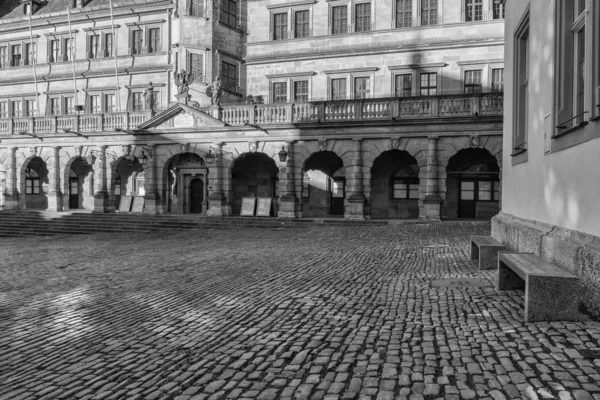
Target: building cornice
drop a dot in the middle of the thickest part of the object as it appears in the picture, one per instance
(349, 70)
(292, 4)
(417, 66)
(290, 75)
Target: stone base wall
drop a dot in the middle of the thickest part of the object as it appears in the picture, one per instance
(575, 251)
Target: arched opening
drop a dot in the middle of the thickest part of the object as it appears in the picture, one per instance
(127, 179)
(253, 175)
(323, 185)
(395, 185)
(80, 184)
(472, 185)
(185, 184)
(35, 184)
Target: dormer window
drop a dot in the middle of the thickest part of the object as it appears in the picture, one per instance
(31, 6)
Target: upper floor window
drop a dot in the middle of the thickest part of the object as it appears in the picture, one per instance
(339, 19)
(403, 13)
(279, 92)
(403, 85)
(497, 80)
(521, 87)
(362, 17)
(229, 76)
(428, 84)
(109, 47)
(94, 45)
(16, 56)
(68, 50)
(55, 106)
(362, 87)
(68, 105)
(3, 57)
(196, 8)
(94, 104)
(54, 55)
(137, 103)
(473, 82)
(30, 108)
(29, 53)
(229, 12)
(196, 66)
(301, 24)
(499, 10)
(153, 40)
(136, 41)
(338, 89)
(300, 91)
(16, 108)
(3, 109)
(280, 26)
(109, 103)
(429, 12)
(473, 10)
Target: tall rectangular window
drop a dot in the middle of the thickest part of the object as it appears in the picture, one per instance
(228, 14)
(137, 101)
(30, 108)
(109, 45)
(109, 103)
(94, 46)
(16, 55)
(55, 106)
(498, 80)
(362, 17)
(196, 66)
(499, 10)
(3, 57)
(95, 104)
(229, 76)
(579, 76)
(301, 91)
(521, 92)
(197, 8)
(3, 109)
(29, 53)
(338, 89)
(428, 84)
(473, 82)
(67, 50)
(301, 24)
(69, 106)
(156, 97)
(429, 12)
(16, 109)
(339, 20)
(154, 38)
(403, 85)
(473, 10)
(362, 87)
(403, 13)
(136, 37)
(279, 92)
(54, 50)
(280, 26)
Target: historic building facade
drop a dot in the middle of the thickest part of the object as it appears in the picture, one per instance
(355, 108)
(551, 143)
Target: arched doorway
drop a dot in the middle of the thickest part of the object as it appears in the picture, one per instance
(79, 182)
(395, 185)
(185, 184)
(323, 185)
(472, 185)
(127, 178)
(252, 175)
(35, 184)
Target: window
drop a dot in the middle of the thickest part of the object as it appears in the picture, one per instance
(67, 50)
(69, 107)
(229, 76)
(30, 108)
(429, 12)
(579, 75)
(156, 97)
(498, 80)
(473, 10)
(109, 45)
(301, 24)
(55, 106)
(279, 92)
(16, 109)
(32, 182)
(95, 104)
(428, 84)
(109, 103)
(138, 101)
(29, 53)
(521, 76)
(3, 57)
(403, 13)
(280, 26)
(404, 85)
(499, 10)
(54, 50)
(136, 37)
(16, 55)
(94, 46)
(473, 82)
(229, 12)
(196, 67)
(3, 109)
(154, 40)
(338, 89)
(196, 8)
(300, 91)
(405, 183)
(362, 17)
(362, 88)
(339, 23)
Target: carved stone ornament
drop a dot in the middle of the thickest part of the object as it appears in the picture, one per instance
(185, 148)
(322, 144)
(253, 146)
(474, 141)
(395, 143)
(78, 151)
(126, 150)
(32, 151)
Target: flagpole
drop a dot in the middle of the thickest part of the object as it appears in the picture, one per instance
(33, 57)
(72, 48)
(112, 24)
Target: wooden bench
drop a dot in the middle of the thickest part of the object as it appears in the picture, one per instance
(551, 293)
(485, 249)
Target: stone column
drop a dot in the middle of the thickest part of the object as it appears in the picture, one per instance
(355, 206)
(432, 202)
(289, 205)
(11, 201)
(54, 190)
(100, 190)
(216, 198)
(151, 196)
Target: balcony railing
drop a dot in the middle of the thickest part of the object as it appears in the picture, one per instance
(374, 109)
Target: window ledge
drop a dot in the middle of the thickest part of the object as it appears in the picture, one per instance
(572, 129)
(194, 17)
(518, 151)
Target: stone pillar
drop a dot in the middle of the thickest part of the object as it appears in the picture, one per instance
(11, 201)
(151, 197)
(100, 190)
(216, 197)
(54, 190)
(432, 202)
(355, 205)
(289, 205)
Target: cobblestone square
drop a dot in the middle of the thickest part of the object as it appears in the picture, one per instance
(368, 312)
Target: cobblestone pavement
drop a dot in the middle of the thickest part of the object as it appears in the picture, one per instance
(307, 313)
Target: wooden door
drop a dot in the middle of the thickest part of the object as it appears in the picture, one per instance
(73, 193)
(196, 196)
(466, 201)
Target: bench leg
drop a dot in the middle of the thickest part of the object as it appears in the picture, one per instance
(474, 251)
(488, 256)
(551, 299)
(508, 279)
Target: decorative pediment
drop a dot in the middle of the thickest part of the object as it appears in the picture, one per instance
(180, 116)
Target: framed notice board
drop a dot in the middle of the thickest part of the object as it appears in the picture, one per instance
(248, 206)
(264, 207)
(125, 204)
(138, 204)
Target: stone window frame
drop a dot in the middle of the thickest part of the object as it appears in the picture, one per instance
(487, 12)
(22, 99)
(521, 63)
(413, 11)
(350, 75)
(232, 60)
(188, 9)
(61, 37)
(103, 33)
(188, 61)
(290, 9)
(19, 41)
(99, 92)
(145, 27)
(351, 15)
(416, 15)
(486, 67)
(158, 92)
(416, 70)
(289, 80)
(237, 16)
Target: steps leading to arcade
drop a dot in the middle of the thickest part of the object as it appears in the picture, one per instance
(28, 223)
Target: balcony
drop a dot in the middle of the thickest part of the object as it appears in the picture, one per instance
(339, 111)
